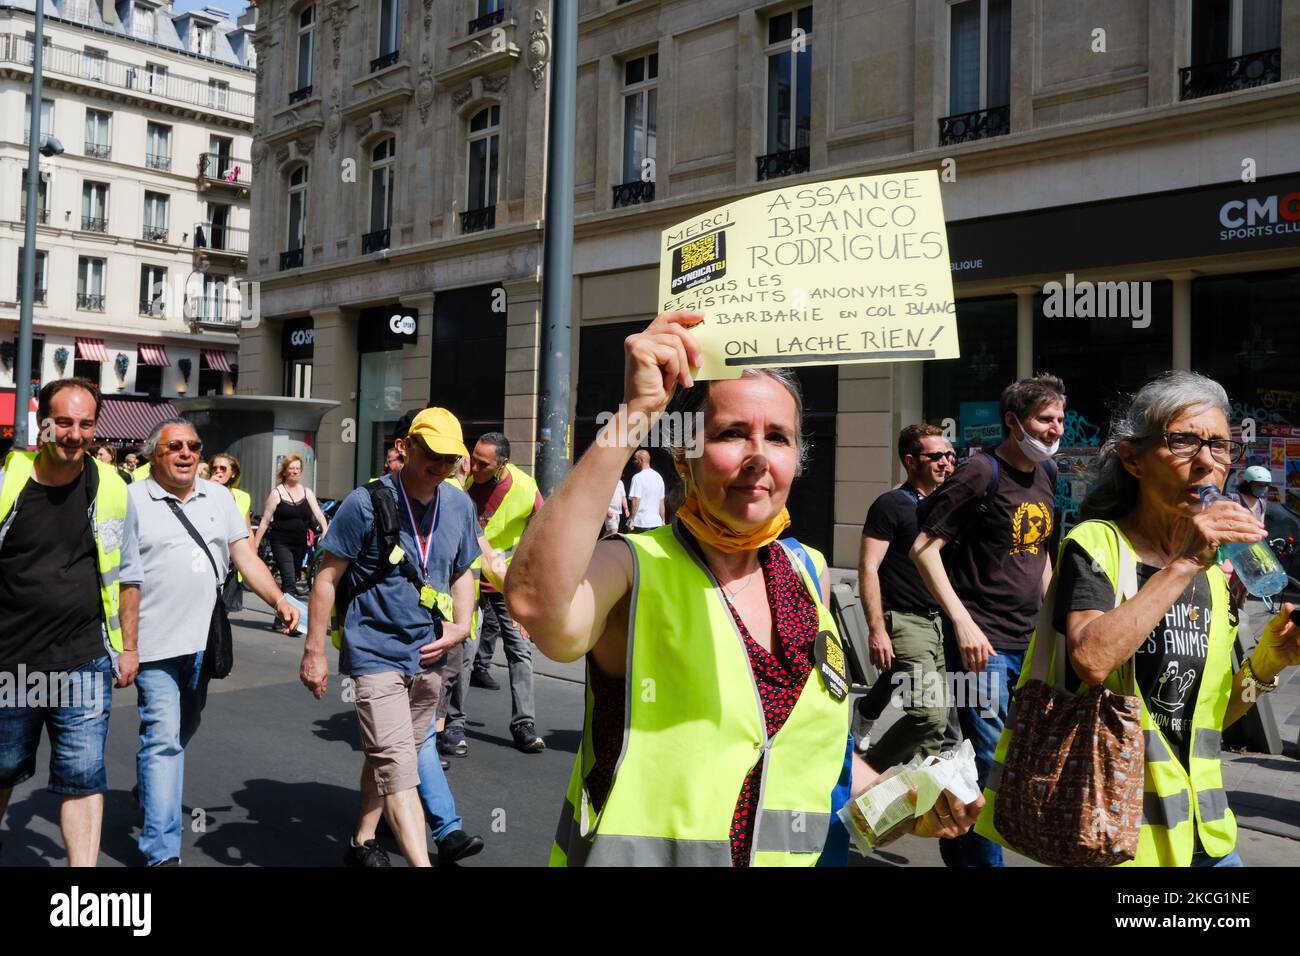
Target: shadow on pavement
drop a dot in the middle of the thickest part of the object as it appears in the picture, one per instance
(22, 845)
(289, 824)
(341, 726)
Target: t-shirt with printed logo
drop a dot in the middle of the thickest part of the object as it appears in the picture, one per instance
(1170, 662)
(995, 558)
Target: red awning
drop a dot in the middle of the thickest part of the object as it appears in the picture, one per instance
(7, 407)
(154, 355)
(91, 350)
(217, 360)
(126, 420)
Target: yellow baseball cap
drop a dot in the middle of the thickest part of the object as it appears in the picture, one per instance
(440, 431)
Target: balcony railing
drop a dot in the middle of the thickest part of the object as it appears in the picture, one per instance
(487, 21)
(38, 298)
(154, 233)
(634, 193)
(300, 94)
(221, 238)
(977, 124)
(1237, 73)
(147, 306)
(161, 161)
(42, 214)
(219, 310)
(99, 150)
(476, 220)
(217, 168)
(785, 162)
(292, 259)
(93, 224)
(93, 303)
(373, 241)
(64, 61)
(388, 59)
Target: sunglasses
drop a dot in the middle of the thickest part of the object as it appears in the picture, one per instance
(936, 455)
(176, 446)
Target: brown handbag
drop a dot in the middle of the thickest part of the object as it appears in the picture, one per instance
(1071, 789)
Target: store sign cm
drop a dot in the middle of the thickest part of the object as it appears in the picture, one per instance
(1248, 218)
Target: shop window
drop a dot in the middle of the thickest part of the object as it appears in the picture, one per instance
(468, 374)
(1246, 336)
(966, 391)
(83, 368)
(149, 379)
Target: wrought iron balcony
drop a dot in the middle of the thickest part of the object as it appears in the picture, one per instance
(147, 306)
(476, 220)
(94, 224)
(226, 170)
(94, 303)
(154, 234)
(300, 94)
(161, 161)
(98, 150)
(977, 124)
(785, 162)
(388, 59)
(219, 309)
(292, 259)
(634, 193)
(220, 239)
(42, 213)
(1224, 76)
(373, 241)
(487, 21)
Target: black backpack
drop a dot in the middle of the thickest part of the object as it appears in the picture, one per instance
(387, 534)
(926, 505)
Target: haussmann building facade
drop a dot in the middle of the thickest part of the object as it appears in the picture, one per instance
(399, 152)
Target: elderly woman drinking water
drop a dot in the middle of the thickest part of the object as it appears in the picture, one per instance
(717, 729)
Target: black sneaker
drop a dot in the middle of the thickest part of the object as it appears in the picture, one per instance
(369, 853)
(456, 846)
(526, 738)
(478, 678)
(452, 746)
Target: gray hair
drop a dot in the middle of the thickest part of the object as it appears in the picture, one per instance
(1149, 412)
(151, 443)
(694, 399)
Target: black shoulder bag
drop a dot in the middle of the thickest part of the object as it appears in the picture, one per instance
(219, 657)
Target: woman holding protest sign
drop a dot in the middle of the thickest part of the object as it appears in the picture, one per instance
(1146, 611)
(716, 730)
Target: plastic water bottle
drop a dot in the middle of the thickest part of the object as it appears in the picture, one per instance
(1260, 571)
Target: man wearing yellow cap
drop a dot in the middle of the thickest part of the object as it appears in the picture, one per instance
(403, 600)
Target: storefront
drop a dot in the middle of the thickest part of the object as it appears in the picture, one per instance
(297, 350)
(1108, 295)
(381, 333)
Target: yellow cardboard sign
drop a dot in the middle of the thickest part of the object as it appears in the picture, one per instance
(844, 271)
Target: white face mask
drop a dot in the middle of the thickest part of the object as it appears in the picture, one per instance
(1035, 450)
(1258, 490)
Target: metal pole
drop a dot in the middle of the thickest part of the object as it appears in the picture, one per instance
(557, 268)
(23, 360)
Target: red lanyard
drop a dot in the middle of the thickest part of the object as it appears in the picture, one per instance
(423, 545)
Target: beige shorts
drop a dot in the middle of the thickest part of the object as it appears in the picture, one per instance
(394, 711)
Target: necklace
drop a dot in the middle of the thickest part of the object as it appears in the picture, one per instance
(731, 595)
(1193, 609)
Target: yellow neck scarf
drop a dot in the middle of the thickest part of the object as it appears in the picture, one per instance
(709, 530)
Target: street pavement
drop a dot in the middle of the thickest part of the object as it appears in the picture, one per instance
(271, 776)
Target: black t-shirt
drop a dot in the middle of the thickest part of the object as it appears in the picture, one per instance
(996, 567)
(892, 518)
(49, 584)
(1170, 663)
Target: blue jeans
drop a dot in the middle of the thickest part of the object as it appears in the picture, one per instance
(73, 708)
(171, 695)
(436, 796)
(982, 720)
(1203, 859)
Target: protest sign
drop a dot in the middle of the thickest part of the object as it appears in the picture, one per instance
(844, 271)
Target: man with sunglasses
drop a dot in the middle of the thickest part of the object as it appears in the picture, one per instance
(390, 648)
(169, 591)
(904, 621)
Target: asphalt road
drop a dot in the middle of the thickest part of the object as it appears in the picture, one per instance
(272, 774)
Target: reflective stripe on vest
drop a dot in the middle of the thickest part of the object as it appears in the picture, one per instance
(108, 519)
(694, 728)
(1172, 820)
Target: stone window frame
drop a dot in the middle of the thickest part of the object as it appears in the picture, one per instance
(293, 189)
(371, 144)
(484, 134)
(775, 49)
(641, 89)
